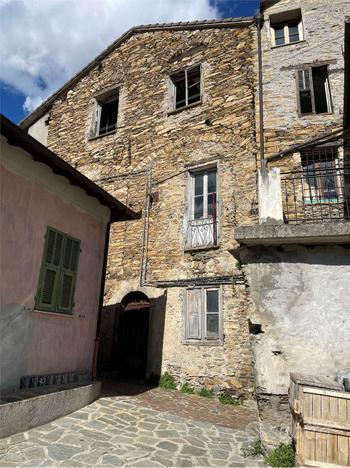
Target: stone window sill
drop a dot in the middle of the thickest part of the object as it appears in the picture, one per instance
(289, 44)
(56, 314)
(199, 249)
(112, 132)
(203, 343)
(180, 109)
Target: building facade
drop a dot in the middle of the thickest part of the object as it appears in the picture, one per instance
(164, 120)
(53, 240)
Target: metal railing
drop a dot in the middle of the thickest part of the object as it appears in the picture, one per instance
(201, 233)
(316, 195)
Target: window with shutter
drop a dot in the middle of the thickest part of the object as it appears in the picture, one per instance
(58, 273)
(186, 87)
(203, 316)
(314, 91)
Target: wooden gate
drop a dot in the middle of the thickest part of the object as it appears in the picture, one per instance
(321, 427)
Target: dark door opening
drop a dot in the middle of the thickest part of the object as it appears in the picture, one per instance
(132, 341)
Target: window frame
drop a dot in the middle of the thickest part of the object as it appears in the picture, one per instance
(60, 270)
(173, 108)
(104, 97)
(203, 338)
(313, 104)
(190, 208)
(285, 19)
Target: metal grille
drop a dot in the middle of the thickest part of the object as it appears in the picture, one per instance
(320, 191)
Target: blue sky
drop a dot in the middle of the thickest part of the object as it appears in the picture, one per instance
(42, 46)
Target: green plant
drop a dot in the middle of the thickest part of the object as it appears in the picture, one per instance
(238, 264)
(283, 455)
(206, 393)
(167, 381)
(187, 389)
(252, 450)
(227, 399)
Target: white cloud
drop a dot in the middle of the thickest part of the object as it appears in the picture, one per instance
(45, 42)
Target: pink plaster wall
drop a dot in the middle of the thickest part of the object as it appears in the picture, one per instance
(55, 343)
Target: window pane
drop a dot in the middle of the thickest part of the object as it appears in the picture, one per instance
(198, 207)
(211, 202)
(198, 184)
(212, 325)
(293, 32)
(193, 85)
(279, 35)
(305, 102)
(212, 182)
(212, 301)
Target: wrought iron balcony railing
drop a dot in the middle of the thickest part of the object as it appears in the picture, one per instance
(201, 233)
(316, 195)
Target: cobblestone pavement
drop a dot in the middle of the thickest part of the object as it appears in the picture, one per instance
(122, 431)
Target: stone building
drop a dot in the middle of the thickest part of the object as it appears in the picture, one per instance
(297, 260)
(164, 120)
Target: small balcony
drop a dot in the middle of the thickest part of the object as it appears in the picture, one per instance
(201, 233)
(315, 195)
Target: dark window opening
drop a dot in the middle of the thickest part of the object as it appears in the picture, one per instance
(109, 116)
(314, 91)
(187, 87)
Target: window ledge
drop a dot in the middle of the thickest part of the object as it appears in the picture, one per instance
(199, 249)
(289, 44)
(180, 109)
(56, 314)
(103, 135)
(203, 343)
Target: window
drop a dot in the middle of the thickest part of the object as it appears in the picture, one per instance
(186, 86)
(286, 28)
(202, 216)
(58, 273)
(106, 113)
(323, 182)
(203, 320)
(314, 91)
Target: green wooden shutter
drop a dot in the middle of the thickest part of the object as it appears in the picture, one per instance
(69, 267)
(50, 270)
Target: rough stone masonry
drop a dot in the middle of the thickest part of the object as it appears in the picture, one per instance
(154, 149)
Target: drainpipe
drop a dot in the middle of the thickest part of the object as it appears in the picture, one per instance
(261, 98)
(100, 305)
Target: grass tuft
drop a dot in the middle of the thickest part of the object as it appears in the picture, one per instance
(206, 393)
(167, 381)
(252, 450)
(226, 399)
(283, 455)
(187, 389)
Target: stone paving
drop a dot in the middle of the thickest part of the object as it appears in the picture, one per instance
(121, 431)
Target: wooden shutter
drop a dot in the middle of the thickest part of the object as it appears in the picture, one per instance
(69, 266)
(49, 275)
(96, 117)
(194, 306)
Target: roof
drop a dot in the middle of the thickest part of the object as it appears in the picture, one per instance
(181, 26)
(17, 137)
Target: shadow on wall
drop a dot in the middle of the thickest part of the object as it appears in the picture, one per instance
(131, 335)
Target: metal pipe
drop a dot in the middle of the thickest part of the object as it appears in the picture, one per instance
(261, 98)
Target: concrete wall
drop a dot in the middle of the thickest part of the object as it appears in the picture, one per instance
(300, 297)
(32, 198)
(218, 131)
(323, 24)
(39, 130)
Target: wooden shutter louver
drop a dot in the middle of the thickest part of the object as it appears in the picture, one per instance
(193, 314)
(58, 273)
(68, 278)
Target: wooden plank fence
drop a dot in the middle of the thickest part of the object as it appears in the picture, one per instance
(321, 426)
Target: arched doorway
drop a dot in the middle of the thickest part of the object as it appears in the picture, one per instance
(131, 345)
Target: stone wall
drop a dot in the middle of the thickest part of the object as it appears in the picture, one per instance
(323, 25)
(300, 297)
(153, 146)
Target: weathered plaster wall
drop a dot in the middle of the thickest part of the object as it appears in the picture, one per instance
(300, 296)
(323, 23)
(34, 342)
(220, 130)
(39, 130)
